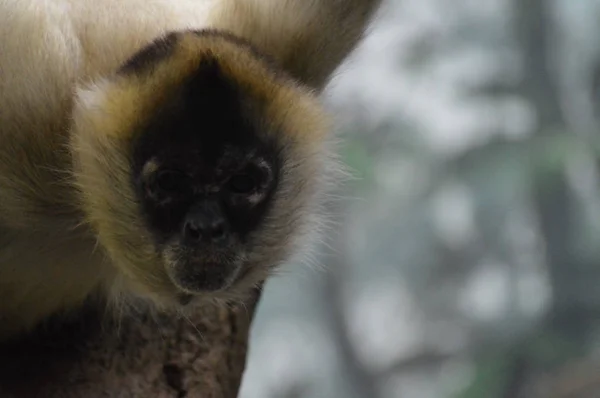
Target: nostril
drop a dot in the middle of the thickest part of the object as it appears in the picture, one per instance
(192, 231)
(218, 231)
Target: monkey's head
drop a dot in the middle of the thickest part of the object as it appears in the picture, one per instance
(199, 164)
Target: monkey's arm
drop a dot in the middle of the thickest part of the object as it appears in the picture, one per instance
(309, 38)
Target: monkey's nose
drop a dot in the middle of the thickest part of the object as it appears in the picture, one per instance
(199, 228)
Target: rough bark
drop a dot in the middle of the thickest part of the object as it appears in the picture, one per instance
(141, 356)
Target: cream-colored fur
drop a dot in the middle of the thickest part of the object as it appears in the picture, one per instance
(56, 53)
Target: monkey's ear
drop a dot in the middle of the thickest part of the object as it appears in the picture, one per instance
(309, 38)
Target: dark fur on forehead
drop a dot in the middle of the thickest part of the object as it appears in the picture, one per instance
(204, 131)
(148, 57)
(207, 116)
(244, 44)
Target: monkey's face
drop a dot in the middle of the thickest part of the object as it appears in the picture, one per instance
(206, 179)
(199, 172)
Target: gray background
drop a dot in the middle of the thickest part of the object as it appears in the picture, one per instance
(465, 262)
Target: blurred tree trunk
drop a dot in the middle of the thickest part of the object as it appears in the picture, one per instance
(552, 196)
(568, 318)
(202, 355)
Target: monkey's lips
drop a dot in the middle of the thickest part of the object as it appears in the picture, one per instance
(196, 277)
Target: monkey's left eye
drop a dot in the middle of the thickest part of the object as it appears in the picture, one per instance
(172, 181)
(242, 183)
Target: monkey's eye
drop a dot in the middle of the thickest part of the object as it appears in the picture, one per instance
(242, 183)
(172, 181)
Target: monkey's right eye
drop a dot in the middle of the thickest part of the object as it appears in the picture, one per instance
(172, 182)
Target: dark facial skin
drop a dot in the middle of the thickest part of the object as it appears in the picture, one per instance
(205, 180)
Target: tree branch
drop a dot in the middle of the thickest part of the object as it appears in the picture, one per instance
(202, 355)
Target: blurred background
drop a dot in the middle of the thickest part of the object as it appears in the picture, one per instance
(466, 259)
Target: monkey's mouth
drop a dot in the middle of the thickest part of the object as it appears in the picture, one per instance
(194, 277)
(197, 272)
